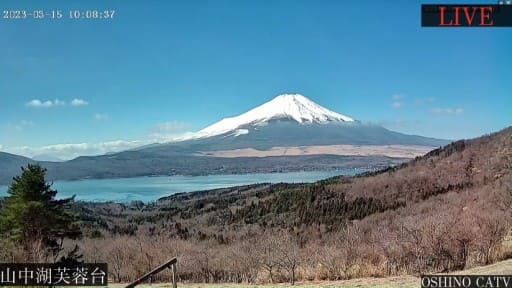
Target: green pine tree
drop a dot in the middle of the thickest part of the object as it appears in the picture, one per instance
(33, 218)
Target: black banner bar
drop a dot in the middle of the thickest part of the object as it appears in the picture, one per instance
(46, 274)
(466, 15)
(466, 281)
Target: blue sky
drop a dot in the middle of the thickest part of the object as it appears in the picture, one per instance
(167, 67)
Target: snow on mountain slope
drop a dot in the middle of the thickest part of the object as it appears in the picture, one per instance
(290, 106)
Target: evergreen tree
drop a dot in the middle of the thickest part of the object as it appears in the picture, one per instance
(32, 217)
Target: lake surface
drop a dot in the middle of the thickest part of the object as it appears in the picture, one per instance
(151, 188)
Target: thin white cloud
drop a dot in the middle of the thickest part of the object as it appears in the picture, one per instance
(169, 131)
(45, 103)
(422, 101)
(27, 123)
(19, 126)
(57, 102)
(397, 104)
(39, 103)
(159, 133)
(453, 111)
(101, 117)
(72, 150)
(79, 102)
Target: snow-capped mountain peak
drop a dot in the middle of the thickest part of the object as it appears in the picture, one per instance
(286, 106)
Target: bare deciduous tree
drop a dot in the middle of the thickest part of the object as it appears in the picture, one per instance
(288, 254)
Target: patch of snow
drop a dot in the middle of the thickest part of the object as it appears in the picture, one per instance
(239, 132)
(290, 106)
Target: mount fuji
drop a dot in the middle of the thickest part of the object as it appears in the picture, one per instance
(289, 120)
(287, 106)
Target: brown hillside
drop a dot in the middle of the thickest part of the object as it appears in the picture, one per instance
(448, 210)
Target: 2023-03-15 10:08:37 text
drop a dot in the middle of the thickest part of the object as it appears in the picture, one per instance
(58, 14)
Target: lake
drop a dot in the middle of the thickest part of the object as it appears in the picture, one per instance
(149, 189)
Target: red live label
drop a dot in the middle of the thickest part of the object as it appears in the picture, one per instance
(462, 15)
(465, 14)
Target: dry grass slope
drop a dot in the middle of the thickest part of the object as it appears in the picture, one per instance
(500, 268)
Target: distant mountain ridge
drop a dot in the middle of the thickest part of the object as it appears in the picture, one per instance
(289, 133)
(10, 166)
(290, 120)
